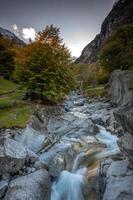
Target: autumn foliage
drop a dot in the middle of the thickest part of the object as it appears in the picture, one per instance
(43, 66)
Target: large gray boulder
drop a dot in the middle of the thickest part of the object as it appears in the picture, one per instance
(32, 139)
(121, 89)
(12, 156)
(116, 180)
(35, 186)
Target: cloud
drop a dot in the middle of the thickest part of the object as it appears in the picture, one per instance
(15, 30)
(76, 49)
(14, 27)
(29, 33)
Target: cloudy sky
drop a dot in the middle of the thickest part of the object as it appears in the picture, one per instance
(79, 20)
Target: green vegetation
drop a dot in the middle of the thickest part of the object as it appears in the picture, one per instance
(43, 71)
(14, 112)
(7, 86)
(16, 116)
(92, 78)
(44, 67)
(117, 52)
(96, 91)
(7, 57)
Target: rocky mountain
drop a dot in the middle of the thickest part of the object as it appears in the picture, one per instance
(8, 34)
(121, 13)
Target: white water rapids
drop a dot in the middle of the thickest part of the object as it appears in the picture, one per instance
(69, 186)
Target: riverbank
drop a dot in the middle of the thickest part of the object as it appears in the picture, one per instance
(69, 148)
(63, 138)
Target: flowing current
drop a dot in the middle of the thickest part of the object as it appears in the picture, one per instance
(70, 184)
(72, 143)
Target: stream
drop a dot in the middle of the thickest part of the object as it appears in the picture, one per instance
(70, 143)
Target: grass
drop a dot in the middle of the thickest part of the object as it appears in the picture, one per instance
(95, 91)
(16, 116)
(10, 100)
(7, 86)
(14, 112)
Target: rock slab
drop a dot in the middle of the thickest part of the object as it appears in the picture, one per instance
(31, 187)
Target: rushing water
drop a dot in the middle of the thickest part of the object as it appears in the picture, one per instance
(72, 152)
(69, 186)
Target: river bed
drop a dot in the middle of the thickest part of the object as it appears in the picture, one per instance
(70, 143)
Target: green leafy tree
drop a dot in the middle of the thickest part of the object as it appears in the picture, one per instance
(7, 57)
(117, 52)
(43, 67)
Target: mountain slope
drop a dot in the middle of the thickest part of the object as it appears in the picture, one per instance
(8, 34)
(121, 13)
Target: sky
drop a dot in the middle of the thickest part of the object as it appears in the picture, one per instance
(79, 20)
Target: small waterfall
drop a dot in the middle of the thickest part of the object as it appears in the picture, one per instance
(110, 140)
(77, 161)
(69, 186)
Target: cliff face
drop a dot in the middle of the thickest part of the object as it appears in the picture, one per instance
(121, 13)
(121, 87)
(121, 83)
(11, 36)
(116, 175)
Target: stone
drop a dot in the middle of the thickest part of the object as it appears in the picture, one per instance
(40, 165)
(31, 156)
(3, 188)
(120, 87)
(118, 188)
(80, 102)
(116, 180)
(8, 34)
(12, 156)
(35, 186)
(32, 139)
(118, 168)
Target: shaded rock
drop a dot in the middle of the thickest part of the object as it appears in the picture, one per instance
(124, 117)
(11, 36)
(118, 168)
(12, 156)
(41, 165)
(3, 188)
(32, 139)
(33, 186)
(121, 89)
(118, 188)
(31, 156)
(116, 180)
(79, 102)
(41, 117)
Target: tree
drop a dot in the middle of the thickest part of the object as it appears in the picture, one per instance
(43, 67)
(117, 51)
(51, 36)
(7, 57)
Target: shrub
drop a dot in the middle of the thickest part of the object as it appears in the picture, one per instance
(117, 51)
